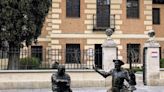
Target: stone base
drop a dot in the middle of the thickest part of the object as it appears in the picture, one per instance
(161, 82)
(152, 64)
(109, 53)
(153, 82)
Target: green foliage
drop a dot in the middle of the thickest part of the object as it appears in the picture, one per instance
(135, 69)
(162, 63)
(22, 20)
(29, 63)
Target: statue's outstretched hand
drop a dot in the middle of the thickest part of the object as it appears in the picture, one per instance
(104, 74)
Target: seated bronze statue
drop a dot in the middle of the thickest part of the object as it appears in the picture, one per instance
(118, 76)
(61, 81)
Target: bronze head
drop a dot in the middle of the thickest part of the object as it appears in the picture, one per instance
(61, 69)
(118, 63)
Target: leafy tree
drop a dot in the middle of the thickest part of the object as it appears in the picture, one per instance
(21, 21)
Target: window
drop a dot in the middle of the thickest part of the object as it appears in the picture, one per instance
(156, 16)
(158, 1)
(132, 8)
(133, 53)
(36, 51)
(73, 54)
(73, 8)
(103, 13)
(98, 55)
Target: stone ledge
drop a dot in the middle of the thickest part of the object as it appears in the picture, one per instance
(47, 84)
(24, 79)
(161, 69)
(161, 82)
(42, 79)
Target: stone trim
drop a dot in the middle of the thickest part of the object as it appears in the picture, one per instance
(88, 47)
(149, 27)
(54, 41)
(49, 26)
(88, 32)
(56, 32)
(146, 12)
(90, 1)
(55, 16)
(99, 36)
(55, 5)
(56, 10)
(90, 11)
(118, 31)
(100, 41)
(56, 1)
(159, 38)
(95, 41)
(116, 1)
(56, 46)
(115, 6)
(119, 22)
(117, 11)
(148, 15)
(43, 39)
(56, 22)
(55, 27)
(120, 47)
(148, 2)
(91, 6)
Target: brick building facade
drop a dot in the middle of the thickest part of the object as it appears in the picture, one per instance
(81, 24)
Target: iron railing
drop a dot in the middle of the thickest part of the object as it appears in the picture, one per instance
(102, 25)
(50, 59)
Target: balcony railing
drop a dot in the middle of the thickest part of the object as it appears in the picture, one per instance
(101, 24)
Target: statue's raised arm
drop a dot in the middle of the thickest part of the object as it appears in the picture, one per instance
(103, 73)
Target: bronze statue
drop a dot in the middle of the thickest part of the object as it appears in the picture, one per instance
(61, 81)
(118, 76)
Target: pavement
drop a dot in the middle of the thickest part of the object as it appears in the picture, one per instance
(139, 89)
